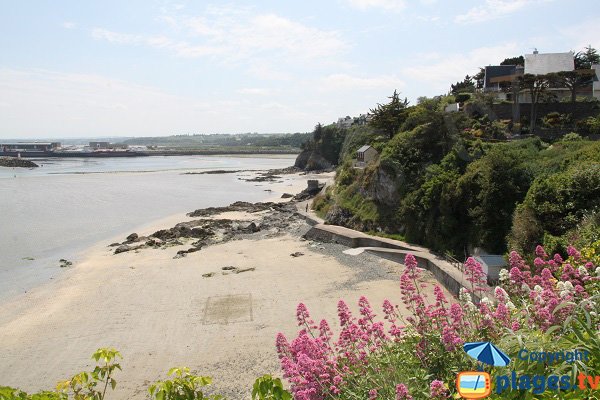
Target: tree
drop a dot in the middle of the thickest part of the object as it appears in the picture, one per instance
(536, 85)
(586, 58)
(465, 86)
(480, 78)
(573, 80)
(513, 61)
(389, 117)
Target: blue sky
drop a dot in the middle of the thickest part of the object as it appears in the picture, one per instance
(115, 68)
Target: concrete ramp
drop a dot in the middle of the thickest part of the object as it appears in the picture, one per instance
(394, 250)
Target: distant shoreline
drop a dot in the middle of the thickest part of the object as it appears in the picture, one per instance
(147, 153)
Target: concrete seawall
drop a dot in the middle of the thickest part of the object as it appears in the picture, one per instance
(394, 250)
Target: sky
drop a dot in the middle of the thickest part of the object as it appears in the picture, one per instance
(72, 68)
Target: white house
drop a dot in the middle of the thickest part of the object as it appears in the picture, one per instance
(546, 63)
(491, 264)
(345, 122)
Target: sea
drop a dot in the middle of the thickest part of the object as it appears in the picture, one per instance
(58, 210)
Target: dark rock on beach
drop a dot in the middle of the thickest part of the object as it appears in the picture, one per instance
(13, 162)
(271, 219)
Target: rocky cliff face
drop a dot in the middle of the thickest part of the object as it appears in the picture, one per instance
(383, 188)
(310, 160)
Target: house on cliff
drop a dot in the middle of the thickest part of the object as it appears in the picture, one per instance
(364, 156)
(500, 79)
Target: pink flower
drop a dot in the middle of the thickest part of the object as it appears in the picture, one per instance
(540, 252)
(324, 330)
(438, 390)
(303, 316)
(282, 345)
(572, 252)
(372, 394)
(365, 308)
(474, 274)
(344, 313)
(402, 392)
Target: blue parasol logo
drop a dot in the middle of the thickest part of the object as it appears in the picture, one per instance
(487, 353)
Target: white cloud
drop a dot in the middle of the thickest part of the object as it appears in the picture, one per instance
(236, 35)
(255, 91)
(69, 25)
(115, 37)
(493, 9)
(583, 34)
(390, 5)
(345, 81)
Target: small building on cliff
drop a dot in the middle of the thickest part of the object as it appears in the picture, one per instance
(364, 156)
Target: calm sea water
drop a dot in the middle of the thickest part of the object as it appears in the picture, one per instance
(59, 209)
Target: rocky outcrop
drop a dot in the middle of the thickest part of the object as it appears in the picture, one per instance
(13, 162)
(202, 232)
(312, 161)
(383, 188)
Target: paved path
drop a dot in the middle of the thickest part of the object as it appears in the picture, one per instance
(446, 273)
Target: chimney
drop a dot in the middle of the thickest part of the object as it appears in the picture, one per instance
(535, 51)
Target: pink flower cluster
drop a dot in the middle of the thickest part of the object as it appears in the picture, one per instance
(319, 367)
(551, 282)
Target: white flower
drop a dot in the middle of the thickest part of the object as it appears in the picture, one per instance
(560, 285)
(598, 271)
(510, 306)
(538, 289)
(593, 313)
(486, 301)
(569, 286)
(464, 295)
(525, 288)
(470, 306)
(504, 276)
(582, 270)
(564, 293)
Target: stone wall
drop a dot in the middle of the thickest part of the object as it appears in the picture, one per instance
(578, 110)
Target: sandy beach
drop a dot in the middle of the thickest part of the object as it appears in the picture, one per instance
(160, 311)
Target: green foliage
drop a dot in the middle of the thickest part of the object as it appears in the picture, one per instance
(557, 120)
(327, 141)
(571, 137)
(93, 385)
(467, 85)
(558, 204)
(389, 117)
(322, 203)
(586, 58)
(589, 126)
(8, 393)
(269, 388)
(356, 137)
(463, 97)
(295, 140)
(183, 386)
(519, 60)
